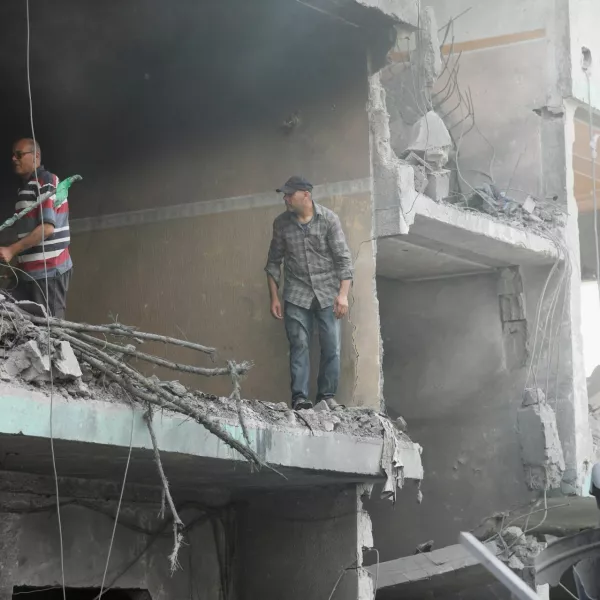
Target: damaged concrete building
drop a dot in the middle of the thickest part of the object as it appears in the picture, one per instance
(480, 317)
(182, 119)
(443, 135)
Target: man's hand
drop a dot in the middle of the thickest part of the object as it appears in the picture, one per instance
(276, 309)
(340, 306)
(6, 253)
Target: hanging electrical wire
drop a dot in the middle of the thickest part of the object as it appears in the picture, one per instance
(52, 450)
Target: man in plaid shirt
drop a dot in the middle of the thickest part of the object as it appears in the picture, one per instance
(310, 241)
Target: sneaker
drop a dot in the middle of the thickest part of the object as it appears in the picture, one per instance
(301, 404)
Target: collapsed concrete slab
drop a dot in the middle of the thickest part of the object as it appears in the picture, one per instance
(468, 242)
(430, 575)
(91, 433)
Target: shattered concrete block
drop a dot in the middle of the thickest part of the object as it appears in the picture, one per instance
(328, 425)
(66, 363)
(322, 406)
(438, 185)
(529, 204)
(533, 396)
(27, 362)
(33, 308)
(541, 450)
(430, 133)
(512, 534)
(401, 424)
(15, 364)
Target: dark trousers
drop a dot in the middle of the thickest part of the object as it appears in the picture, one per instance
(299, 326)
(35, 291)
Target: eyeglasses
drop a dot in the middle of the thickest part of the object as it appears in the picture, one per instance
(18, 154)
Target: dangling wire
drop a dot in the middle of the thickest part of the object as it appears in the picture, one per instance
(35, 149)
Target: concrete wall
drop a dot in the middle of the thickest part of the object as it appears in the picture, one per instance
(202, 278)
(184, 105)
(445, 372)
(268, 544)
(31, 553)
(449, 371)
(323, 527)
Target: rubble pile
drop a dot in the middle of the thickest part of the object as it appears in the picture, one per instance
(78, 371)
(530, 212)
(519, 551)
(428, 153)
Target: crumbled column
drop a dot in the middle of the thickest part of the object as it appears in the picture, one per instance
(541, 450)
(513, 318)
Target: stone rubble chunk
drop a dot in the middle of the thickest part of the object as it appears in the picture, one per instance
(322, 406)
(512, 534)
(66, 364)
(28, 362)
(541, 450)
(32, 308)
(429, 133)
(328, 425)
(533, 396)
(438, 185)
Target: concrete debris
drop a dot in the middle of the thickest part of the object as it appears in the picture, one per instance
(66, 364)
(424, 547)
(401, 424)
(24, 361)
(430, 140)
(530, 212)
(438, 185)
(541, 450)
(533, 396)
(512, 534)
(33, 308)
(27, 362)
(428, 153)
(321, 406)
(519, 551)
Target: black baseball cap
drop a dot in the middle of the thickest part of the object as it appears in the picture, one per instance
(295, 184)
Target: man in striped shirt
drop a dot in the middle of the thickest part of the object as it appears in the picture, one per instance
(42, 249)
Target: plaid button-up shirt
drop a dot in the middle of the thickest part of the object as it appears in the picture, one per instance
(316, 257)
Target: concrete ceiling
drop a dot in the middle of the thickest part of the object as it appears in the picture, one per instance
(405, 258)
(188, 475)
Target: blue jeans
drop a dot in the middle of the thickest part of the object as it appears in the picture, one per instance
(299, 326)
